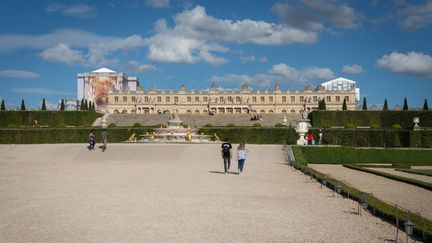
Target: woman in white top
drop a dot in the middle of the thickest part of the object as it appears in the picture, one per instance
(241, 156)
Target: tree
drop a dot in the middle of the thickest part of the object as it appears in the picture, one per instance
(364, 104)
(43, 105)
(405, 106)
(62, 105)
(82, 105)
(22, 105)
(425, 105)
(3, 107)
(86, 105)
(344, 105)
(385, 107)
(322, 105)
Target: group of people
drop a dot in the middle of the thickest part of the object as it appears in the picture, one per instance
(226, 156)
(310, 138)
(92, 140)
(256, 118)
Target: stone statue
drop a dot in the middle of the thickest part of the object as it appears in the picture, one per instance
(305, 114)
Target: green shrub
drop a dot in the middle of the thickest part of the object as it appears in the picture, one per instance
(231, 125)
(374, 126)
(279, 125)
(47, 118)
(112, 125)
(136, 124)
(264, 135)
(257, 124)
(208, 125)
(61, 125)
(396, 126)
(349, 125)
(292, 136)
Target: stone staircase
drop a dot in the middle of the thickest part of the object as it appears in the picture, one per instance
(192, 120)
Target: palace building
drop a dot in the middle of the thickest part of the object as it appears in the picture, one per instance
(216, 101)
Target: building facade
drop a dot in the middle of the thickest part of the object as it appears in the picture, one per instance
(215, 101)
(95, 86)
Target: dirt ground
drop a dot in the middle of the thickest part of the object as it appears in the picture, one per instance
(169, 193)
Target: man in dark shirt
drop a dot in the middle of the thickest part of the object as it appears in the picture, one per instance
(226, 154)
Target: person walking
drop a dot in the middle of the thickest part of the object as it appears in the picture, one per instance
(104, 137)
(91, 140)
(310, 138)
(226, 154)
(320, 137)
(241, 157)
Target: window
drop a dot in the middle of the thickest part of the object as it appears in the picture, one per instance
(124, 99)
(167, 99)
(301, 98)
(176, 99)
(315, 99)
(337, 98)
(328, 99)
(238, 99)
(221, 99)
(205, 99)
(230, 99)
(347, 98)
(189, 99)
(146, 99)
(197, 99)
(115, 98)
(133, 99)
(284, 99)
(159, 99)
(254, 100)
(292, 99)
(262, 98)
(271, 98)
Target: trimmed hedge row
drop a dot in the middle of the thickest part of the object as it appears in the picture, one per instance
(376, 137)
(381, 208)
(65, 135)
(375, 119)
(254, 135)
(349, 155)
(47, 118)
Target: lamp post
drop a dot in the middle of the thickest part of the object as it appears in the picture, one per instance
(408, 228)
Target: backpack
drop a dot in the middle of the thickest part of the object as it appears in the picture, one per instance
(226, 150)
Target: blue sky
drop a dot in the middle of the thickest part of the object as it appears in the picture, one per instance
(384, 45)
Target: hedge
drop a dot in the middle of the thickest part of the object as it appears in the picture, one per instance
(47, 118)
(349, 155)
(386, 119)
(65, 135)
(376, 137)
(253, 135)
(380, 208)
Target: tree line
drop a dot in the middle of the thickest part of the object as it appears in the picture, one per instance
(86, 105)
(322, 105)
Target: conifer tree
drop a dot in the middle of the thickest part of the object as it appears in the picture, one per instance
(3, 107)
(82, 105)
(385, 107)
(364, 104)
(321, 105)
(43, 108)
(22, 105)
(344, 105)
(86, 105)
(405, 106)
(425, 105)
(62, 105)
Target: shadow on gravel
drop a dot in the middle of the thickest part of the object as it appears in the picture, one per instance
(217, 172)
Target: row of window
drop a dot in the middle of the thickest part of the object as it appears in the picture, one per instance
(237, 99)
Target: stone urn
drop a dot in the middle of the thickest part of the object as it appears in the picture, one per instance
(302, 128)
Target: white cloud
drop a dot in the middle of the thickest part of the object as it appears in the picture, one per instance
(411, 63)
(414, 17)
(352, 69)
(139, 68)
(245, 59)
(263, 60)
(81, 11)
(195, 37)
(41, 91)
(158, 3)
(64, 54)
(280, 73)
(18, 74)
(313, 15)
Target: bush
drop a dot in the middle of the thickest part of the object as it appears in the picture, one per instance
(47, 118)
(257, 124)
(112, 125)
(279, 125)
(264, 135)
(231, 125)
(349, 125)
(374, 126)
(396, 126)
(136, 124)
(208, 125)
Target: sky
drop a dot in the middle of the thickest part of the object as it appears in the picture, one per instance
(384, 45)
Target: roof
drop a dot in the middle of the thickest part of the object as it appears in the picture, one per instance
(340, 79)
(103, 70)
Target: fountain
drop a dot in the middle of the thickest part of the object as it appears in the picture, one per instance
(175, 132)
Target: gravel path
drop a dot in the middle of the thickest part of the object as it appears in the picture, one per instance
(424, 178)
(168, 193)
(407, 196)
